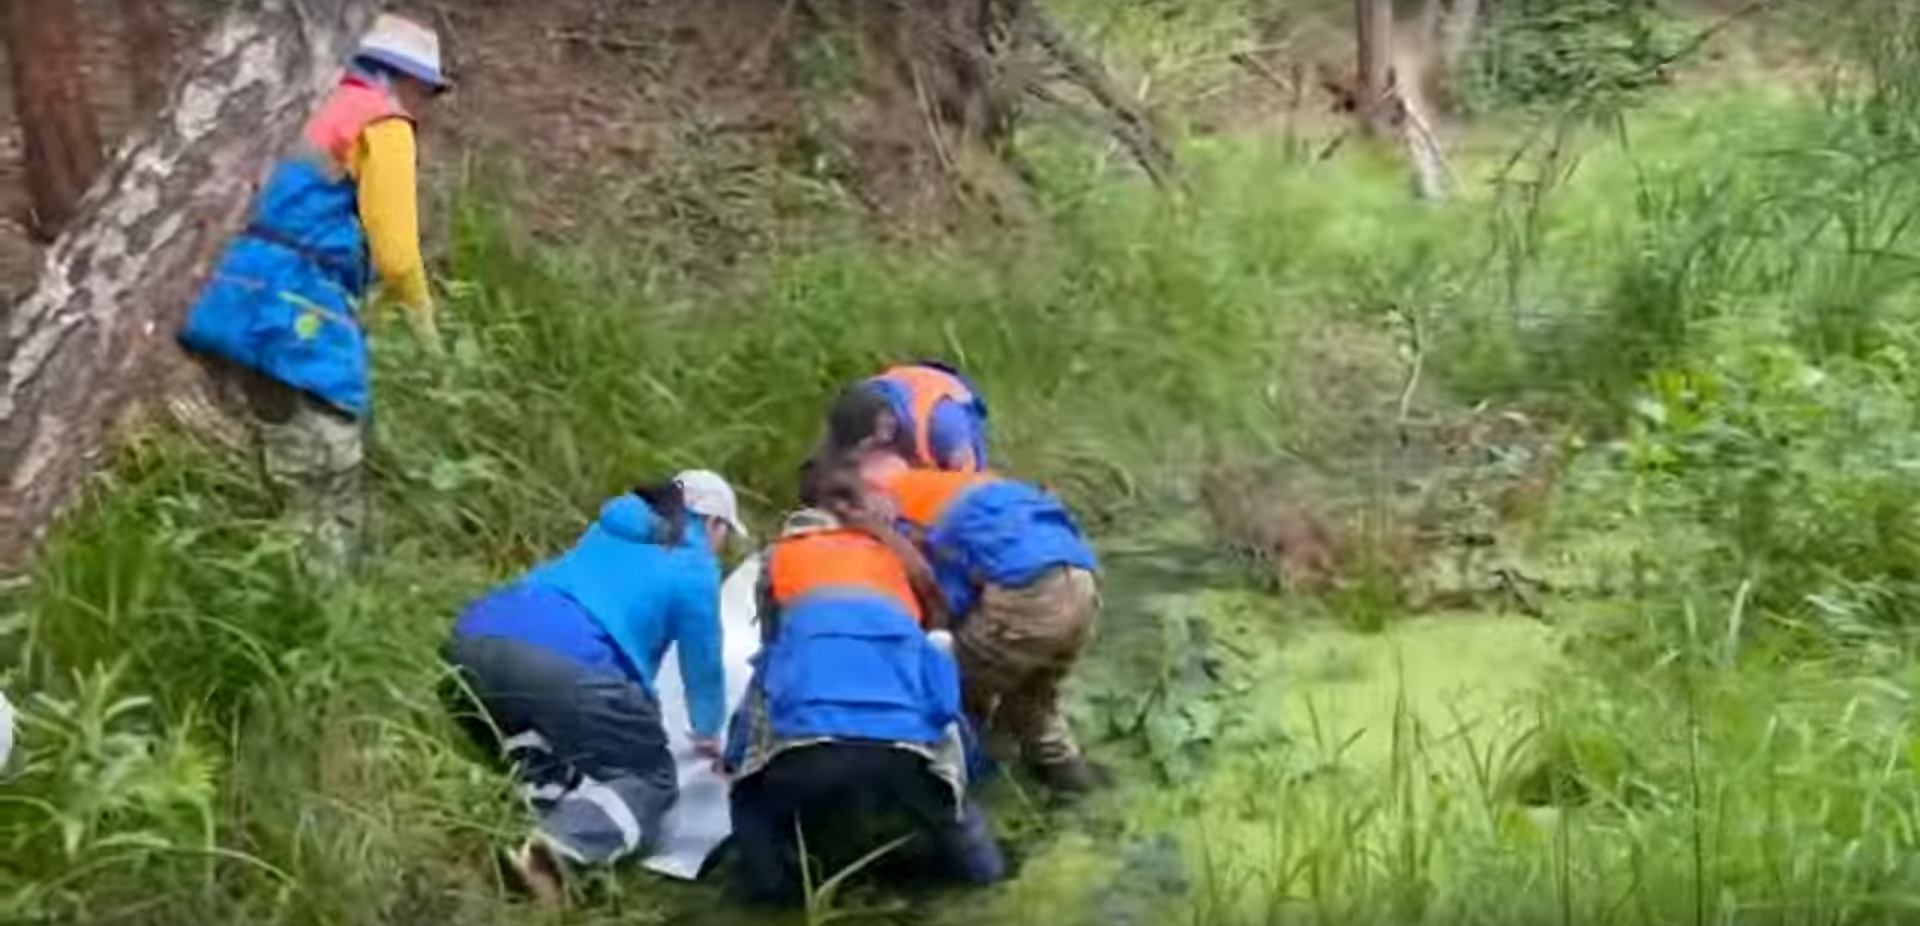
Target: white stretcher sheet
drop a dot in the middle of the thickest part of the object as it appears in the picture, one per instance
(699, 821)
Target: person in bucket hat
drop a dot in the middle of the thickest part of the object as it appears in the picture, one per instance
(556, 672)
(279, 321)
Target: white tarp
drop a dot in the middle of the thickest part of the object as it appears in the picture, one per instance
(699, 821)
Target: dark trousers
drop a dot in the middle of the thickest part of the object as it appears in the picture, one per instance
(589, 748)
(849, 799)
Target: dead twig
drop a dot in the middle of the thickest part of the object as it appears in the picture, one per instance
(1261, 70)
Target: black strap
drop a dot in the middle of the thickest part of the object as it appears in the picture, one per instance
(324, 261)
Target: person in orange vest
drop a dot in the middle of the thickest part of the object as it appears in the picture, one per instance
(926, 411)
(1021, 582)
(280, 318)
(851, 728)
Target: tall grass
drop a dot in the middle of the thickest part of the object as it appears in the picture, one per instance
(297, 768)
(1724, 287)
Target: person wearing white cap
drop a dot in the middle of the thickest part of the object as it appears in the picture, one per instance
(279, 321)
(561, 664)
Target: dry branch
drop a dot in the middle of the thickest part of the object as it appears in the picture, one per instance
(1132, 126)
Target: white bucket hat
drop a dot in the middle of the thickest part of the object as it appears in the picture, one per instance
(407, 47)
(709, 495)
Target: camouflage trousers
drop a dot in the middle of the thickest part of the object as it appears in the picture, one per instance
(309, 454)
(1015, 651)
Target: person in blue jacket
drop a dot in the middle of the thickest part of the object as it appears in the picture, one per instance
(562, 663)
(851, 728)
(927, 411)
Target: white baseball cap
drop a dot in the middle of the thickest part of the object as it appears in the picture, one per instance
(407, 47)
(709, 495)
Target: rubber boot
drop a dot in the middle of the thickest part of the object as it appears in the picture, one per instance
(539, 871)
(1073, 777)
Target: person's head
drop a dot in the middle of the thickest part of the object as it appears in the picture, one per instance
(830, 480)
(862, 417)
(700, 494)
(408, 55)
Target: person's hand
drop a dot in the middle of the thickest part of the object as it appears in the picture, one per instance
(426, 327)
(708, 748)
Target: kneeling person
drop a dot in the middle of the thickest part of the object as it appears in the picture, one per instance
(850, 729)
(1020, 580)
(562, 663)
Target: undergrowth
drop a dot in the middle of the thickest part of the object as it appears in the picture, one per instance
(1719, 291)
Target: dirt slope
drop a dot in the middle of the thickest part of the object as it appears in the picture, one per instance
(636, 111)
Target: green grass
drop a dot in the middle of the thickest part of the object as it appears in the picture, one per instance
(1719, 291)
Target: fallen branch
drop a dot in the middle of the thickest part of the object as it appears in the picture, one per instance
(1140, 137)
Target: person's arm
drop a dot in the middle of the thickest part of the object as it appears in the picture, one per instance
(699, 640)
(951, 432)
(389, 210)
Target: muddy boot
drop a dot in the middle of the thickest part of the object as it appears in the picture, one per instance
(1073, 777)
(536, 870)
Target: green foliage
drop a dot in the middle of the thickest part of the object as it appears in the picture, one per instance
(1802, 475)
(1721, 292)
(1552, 53)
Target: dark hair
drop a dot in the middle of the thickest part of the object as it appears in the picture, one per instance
(830, 475)
(669, 503)
(855, 416)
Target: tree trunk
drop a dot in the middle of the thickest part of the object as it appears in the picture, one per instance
(1415, 72)
(1373, 24)
(1456, 34)
(61, 142)
(97, 330)
(148, 36)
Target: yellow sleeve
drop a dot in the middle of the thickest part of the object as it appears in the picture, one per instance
(384, 170)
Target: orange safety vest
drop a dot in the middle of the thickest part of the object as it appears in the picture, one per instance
(926, 388)
(355, 104)
(838, 558)
(923, 496)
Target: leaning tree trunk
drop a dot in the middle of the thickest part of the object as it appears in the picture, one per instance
(85, 343)
(148, 36)
(61, 142)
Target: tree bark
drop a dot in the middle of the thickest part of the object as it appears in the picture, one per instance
(1373, 25)
(61, 140)
(100, 325)
(148, 35)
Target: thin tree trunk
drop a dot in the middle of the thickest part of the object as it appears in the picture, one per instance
(61, 141)
(93, 335)
(1456, 34)
(147, 32)
(1373, 25)
(1415, 62)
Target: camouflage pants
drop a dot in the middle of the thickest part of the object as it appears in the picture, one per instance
(309, 454)
(1016, 650)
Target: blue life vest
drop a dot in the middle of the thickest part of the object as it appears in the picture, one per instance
(854, 666)
(284, 299)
